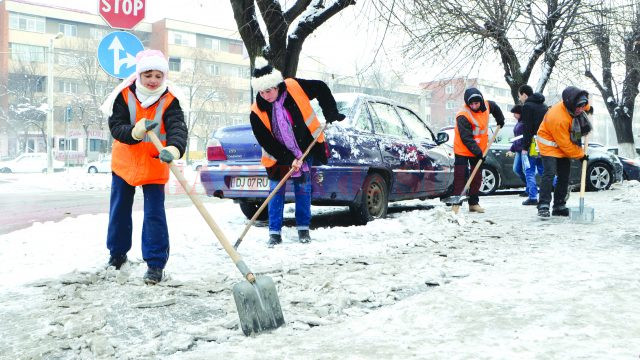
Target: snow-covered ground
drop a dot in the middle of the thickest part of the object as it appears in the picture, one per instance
(421, 284)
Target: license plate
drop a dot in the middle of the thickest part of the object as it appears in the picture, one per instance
(249, 183)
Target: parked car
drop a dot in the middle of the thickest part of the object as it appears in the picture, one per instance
(497, 172)
(382, 152)
(630, 167)
(30, 162)
(98, 166)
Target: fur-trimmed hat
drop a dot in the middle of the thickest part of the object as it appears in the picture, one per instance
(151, 60)
(264, 75)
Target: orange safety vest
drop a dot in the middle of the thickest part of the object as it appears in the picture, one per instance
(479, 126)
(553, 135)
(310, 119)
(139, 164)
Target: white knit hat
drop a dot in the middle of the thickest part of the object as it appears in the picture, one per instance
(264, 75)
(151, 60)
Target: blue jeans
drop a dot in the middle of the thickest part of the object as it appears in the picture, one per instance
(155, 234)
(518, 166)
(535, 165)
(302, 191)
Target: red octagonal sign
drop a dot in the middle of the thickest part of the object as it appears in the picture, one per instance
(122, 14)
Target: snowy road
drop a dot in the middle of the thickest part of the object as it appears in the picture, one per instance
(421, 284)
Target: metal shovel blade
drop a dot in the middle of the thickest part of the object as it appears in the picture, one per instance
(454, 199)
(581, 214)
(258, 305)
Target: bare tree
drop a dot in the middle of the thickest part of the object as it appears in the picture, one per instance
(615, 35)
(284, 46)
(202, 85)
(96, 83)
(26, 102)
(523, 33)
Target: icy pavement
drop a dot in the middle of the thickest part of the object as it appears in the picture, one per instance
(421, 284)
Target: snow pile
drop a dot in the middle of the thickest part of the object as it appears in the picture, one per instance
(422, 283)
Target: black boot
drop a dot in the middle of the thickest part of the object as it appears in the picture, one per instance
(543, 211)
(303, 236)
(152, 276)
(117, 261)
(560, 210)
(274, 239)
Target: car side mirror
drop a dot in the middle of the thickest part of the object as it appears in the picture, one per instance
(442, 137)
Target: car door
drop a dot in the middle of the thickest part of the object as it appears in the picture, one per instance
(399, 152)
(435, 161)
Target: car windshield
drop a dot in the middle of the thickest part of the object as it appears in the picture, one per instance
(345, 107)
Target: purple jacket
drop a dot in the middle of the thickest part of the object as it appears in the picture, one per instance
(516, 146)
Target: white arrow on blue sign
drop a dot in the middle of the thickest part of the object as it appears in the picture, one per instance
(117, 53)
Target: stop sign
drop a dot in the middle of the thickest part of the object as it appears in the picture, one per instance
(122, 14)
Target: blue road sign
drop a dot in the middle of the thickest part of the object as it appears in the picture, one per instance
(117, 53)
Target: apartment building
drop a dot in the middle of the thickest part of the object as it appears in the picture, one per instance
(208, 63)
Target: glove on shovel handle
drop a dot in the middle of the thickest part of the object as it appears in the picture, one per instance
(275, 190)
(237, 260)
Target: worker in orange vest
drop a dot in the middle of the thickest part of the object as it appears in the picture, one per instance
(470, 141)
(559, 140)
(145, 98)
(285, 124)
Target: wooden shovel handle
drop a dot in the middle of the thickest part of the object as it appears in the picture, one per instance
(479, 163)
(237, 260)
(275, 190)
(583, 176)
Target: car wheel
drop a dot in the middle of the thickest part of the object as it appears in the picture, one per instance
(599, 177)
(490, 181)
(249, 209)
(92, 170)
(5, 170)
(374, 201)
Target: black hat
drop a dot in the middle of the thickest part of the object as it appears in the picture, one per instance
(264, 75)
(517, 109)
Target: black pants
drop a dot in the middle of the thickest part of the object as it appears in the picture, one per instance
(560, 167)
(461, 173)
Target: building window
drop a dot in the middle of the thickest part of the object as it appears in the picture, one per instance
(68, 144)
(26, 23)
(67, 87)
(451, 104)
(235, 47)
(449, 89)
(97, 34)
(68, 29)
(181, 38)
(174, 64)
(98, 145)
(241, 72)
(211, 43)
(212, 69)
(27, 53)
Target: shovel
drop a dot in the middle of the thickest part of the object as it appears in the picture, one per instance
(256, 299)
(582, 214)
(456, 201)
(275, 190)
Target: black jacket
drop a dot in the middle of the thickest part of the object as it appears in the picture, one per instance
(464, 126)
(173, 118)
(533, 112)
(315, 89)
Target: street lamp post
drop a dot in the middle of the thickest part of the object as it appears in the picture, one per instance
(50, 103)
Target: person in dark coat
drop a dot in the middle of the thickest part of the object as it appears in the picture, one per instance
(516, 146)
(285, 125)
(470, 141)
(533, 111)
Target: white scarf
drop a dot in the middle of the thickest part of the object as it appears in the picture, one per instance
(148, 97)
